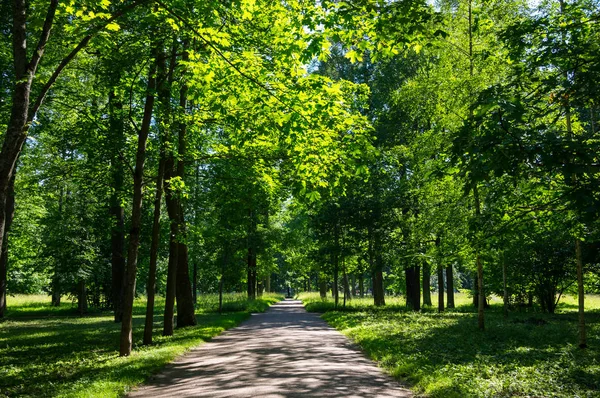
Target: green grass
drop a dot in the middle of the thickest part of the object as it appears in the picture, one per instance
(445, 355)
(47, 351)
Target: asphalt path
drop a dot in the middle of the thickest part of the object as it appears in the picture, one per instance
(284, 352)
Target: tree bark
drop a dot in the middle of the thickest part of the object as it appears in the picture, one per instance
(151, 286)
(440, 275)
(10, 211)
(450, 286)
(117, 212)
(581, 296)
(413, 295)
(195, 282)
(323, 288)
(361, 285)
(251, 268)
(168, 323)
(81, 297)
(480, 294)
(426, 284)
(336, 288)
(164, 95)
(377, 259)
(186, 312)
(505, 290)
(136, 216)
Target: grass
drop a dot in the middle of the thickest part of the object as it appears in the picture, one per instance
(50, 351)
(445, 355)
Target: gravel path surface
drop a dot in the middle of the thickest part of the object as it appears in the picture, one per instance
(284, 352)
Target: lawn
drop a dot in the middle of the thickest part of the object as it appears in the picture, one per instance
(50, 351)
(444, 355)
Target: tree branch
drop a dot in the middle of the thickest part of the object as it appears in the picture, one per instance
(39, 51)
(65, 61)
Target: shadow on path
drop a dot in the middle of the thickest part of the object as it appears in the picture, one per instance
(284, 352)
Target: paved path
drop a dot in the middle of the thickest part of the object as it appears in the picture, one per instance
(284, 352)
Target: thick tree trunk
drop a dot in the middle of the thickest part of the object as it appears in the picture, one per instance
(323, 288)
(164, 95)
(581, 296)
(353, 287)
(378, 288)
(10, 211)
(186, 315)
(440, 275)
(268, 286)
(426, 284)
(413, 294)
(450, 286)
(136, 217)
(81, 297)
(151, 285)
(117, 212)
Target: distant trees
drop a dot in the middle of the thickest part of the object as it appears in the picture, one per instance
(383, 147)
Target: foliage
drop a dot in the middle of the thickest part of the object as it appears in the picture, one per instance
(444, 355)
(48, 351)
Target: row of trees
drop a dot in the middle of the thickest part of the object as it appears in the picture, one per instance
(121, 109)
(255, 145)
(486, 175)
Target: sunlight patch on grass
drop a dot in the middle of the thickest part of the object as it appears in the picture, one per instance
(445, 355)
(49, 351)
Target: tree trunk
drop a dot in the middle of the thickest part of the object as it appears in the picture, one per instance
(251, 285)
(186, 313)
(10, 211)
(168, 322)
(581, 296)
(268, 286)
(164, 95)
(195, 282)
(361, 285)
(81, 297)
(413, 295)
(151, 286)
(323, 288)
(505, 290)
(440, 275)
(117, 212)
(450, 286)
(136, 217)
(480, 294)
(347, 295)
(336, 289)
(426, 284)
(378, 288)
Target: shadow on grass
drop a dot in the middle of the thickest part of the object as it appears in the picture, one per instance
(65, 355)
(445, 355)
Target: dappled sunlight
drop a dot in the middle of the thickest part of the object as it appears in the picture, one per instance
(446, 355)
(285, 352)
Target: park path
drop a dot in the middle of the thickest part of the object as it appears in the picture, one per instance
(284, 352)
